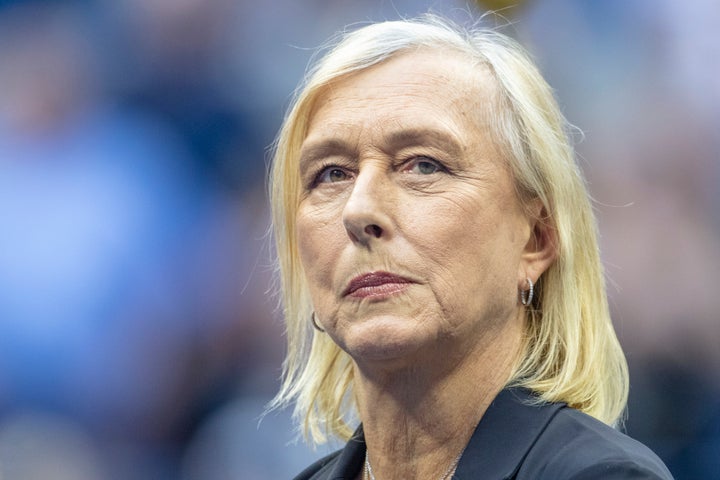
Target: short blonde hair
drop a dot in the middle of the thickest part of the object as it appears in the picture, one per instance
(570, 353)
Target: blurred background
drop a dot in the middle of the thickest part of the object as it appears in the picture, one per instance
(138, 337)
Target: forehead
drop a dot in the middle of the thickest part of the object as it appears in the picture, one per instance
(427, 86)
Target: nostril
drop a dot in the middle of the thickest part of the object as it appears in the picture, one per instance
(373, 230)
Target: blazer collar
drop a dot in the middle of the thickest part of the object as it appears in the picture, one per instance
(351, 459)
(508, 429)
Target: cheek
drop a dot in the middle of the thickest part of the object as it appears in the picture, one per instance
(453, 228)
(473, 247)
(319, 240)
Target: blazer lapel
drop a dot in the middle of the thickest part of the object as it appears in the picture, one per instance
(505, 434)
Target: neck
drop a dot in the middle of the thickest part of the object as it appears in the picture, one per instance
(417, 420)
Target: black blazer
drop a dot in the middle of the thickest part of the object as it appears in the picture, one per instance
(520, 441)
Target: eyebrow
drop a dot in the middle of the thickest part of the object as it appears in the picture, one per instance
(444, 140)
(318, 150)
(393, 141)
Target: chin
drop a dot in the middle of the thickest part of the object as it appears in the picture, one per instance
(384, 339)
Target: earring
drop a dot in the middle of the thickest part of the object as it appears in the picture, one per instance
(526, 296)
(314, 322)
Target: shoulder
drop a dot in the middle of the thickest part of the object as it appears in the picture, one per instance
(521, 438)
(320, 469)
(576, 446)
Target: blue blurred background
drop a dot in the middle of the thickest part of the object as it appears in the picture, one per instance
(138, 338)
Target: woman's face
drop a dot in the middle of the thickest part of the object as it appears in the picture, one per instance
(410, 233)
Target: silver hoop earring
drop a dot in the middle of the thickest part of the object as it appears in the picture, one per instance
(314, 323)
(526, 296)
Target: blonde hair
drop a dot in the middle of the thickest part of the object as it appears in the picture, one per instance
(570, 352)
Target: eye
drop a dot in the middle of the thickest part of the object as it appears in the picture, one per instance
(424, 166)
(332, 174)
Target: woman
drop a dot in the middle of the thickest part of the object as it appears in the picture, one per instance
(433, 228)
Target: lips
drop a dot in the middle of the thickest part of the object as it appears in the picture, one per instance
(376, 284)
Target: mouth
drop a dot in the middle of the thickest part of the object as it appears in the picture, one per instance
(376, 284)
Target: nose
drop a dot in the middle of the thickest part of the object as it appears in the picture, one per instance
(367, 215)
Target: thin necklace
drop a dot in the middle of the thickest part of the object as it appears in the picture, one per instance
(368, 471)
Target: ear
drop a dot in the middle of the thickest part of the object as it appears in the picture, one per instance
(541, 249)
